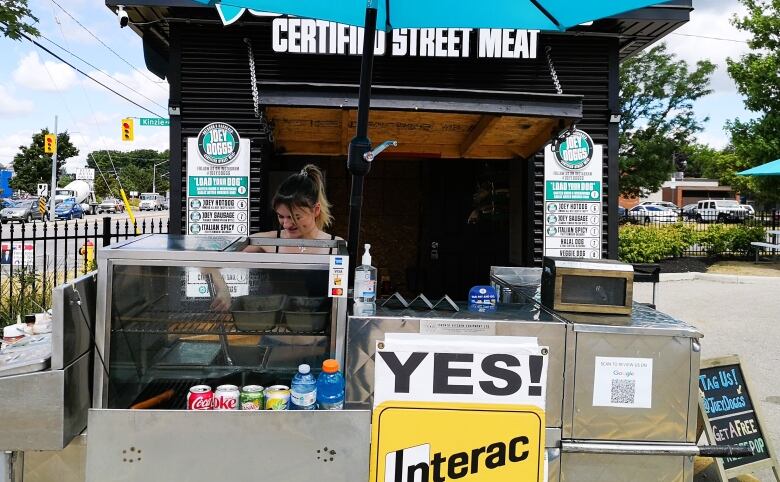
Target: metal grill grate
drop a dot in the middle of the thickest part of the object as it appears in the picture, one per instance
(178, 323)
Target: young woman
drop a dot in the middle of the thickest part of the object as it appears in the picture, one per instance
(303, 212)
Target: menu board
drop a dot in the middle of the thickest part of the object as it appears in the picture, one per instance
(218, 181)
(217, 201)
(731, 416)
(572, 197)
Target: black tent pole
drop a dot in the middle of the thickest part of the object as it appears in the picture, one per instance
(360, 144)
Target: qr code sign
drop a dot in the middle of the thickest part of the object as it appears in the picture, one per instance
(623, 391)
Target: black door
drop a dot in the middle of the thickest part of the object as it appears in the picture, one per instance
(465, 225)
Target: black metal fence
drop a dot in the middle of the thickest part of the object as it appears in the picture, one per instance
(36, 257)
(723, 236)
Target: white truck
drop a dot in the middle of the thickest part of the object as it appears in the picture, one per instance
(151, 201)
(81, 191)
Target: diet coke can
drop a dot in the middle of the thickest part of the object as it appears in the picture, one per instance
(225, 398)
(200, 398)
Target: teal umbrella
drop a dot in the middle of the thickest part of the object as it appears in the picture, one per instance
(768, 169)
(388, 14)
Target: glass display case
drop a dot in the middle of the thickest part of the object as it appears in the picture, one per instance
(179, 311)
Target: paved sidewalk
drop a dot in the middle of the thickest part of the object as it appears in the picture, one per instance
(737, 316)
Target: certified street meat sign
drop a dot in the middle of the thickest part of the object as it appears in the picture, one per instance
(572, 197)
(218, 181)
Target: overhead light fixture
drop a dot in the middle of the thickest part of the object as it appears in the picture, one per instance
(614, 118)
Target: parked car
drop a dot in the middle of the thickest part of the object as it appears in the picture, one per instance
(110, 205)
(689, 211)
(648, 213)
(663, 204)
(721, 210)
(751, 212)
(69, 209)
(24, 211)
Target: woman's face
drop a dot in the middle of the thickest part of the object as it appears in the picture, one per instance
(300, 222)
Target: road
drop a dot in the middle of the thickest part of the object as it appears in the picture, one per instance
(65, 253)
(735, 319)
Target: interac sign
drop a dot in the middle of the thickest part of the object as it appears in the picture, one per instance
(437, 442)
(449, 407)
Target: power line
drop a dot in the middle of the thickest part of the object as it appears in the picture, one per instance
(87, 75)
(101, 71)
(103, 43)
(86, 98)
(710, 38)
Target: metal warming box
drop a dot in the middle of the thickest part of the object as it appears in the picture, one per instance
(161, 329)
(587, 286)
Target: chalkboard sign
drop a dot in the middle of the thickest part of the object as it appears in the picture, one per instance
(731, 417)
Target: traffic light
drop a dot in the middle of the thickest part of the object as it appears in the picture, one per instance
(50, 144)
(127, 130)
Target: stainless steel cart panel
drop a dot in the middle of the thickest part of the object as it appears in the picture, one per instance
(168, 445)
(624, 468)
(73, 317)
(515, 320)
(44, 410)
(668, 417)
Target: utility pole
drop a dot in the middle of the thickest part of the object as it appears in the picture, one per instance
(52, 217)
(154, 176)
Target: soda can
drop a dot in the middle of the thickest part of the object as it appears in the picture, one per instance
(200, 397)
(277, 397)
(251, 398)
(225, 398)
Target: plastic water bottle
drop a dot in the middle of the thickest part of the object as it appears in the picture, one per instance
(330, 386)
(303, 389)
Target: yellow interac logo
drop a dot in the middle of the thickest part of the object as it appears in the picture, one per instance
(440, 442)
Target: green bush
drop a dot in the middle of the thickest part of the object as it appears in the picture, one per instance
(651, 244)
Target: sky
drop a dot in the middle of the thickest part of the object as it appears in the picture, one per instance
(34, 87)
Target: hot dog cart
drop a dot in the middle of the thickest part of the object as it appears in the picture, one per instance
(156, 332)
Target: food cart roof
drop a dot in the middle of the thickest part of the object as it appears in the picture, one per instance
(319, 119)
(634, 30)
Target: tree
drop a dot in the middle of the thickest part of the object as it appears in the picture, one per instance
(33, 166)
(135, 170)
(15, 19)
(657, 92)
(757, 75)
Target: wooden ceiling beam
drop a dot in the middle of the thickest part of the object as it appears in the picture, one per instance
(485, 123)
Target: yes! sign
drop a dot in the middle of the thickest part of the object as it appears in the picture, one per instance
(452, 368)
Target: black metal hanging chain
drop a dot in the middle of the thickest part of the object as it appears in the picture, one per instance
(265, 127)
(553, 73)
(559, 90)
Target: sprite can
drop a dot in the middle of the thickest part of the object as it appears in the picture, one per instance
(251, 397)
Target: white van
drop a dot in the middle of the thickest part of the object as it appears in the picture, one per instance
(150, 201)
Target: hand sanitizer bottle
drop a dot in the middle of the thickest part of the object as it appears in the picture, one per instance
(365, 279)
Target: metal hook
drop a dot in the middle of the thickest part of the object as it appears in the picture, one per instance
(370, 155)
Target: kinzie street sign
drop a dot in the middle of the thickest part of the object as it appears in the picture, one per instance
(155, 122)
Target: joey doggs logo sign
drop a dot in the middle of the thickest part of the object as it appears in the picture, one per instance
(218, 143)
(414, 442)
(574, 150)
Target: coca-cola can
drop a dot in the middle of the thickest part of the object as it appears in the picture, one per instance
(200, 398)
(225, 398)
